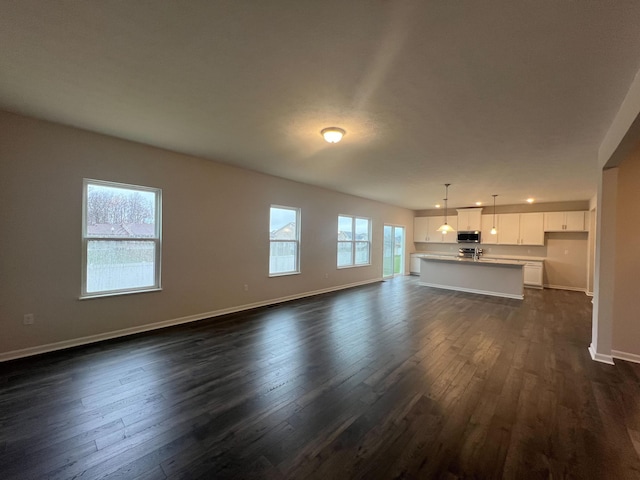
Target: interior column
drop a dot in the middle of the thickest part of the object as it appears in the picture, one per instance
(604, 276)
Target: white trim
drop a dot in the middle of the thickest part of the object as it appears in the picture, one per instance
(285, 274)
(600, 357)
(562, 287)
(117, 293)
(297, 241)
(51, 347)
(353, 241)
(588, 293)
(472, 290)
(404, 252)
(629, 357)
(156, 239)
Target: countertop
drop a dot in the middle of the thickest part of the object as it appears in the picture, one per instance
(480, 261)
(487, 258)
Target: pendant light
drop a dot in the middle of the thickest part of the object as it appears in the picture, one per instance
(493, 230)
(445, 227)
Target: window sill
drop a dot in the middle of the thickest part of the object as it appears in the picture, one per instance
(89, 296)
(354, 266)
(284, 274)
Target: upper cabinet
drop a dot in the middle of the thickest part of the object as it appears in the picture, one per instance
(531, 229)
(451, 237)
(487, 225)
(425, 230)
(469, 219)
(509, 229)
(565, 222)
(520, 229)
(420, 229)
(513, 228)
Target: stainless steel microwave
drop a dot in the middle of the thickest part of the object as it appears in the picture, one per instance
(469, 237)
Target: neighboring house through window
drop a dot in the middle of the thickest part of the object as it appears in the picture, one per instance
(284, 238)
(121, 238)
(354, 241)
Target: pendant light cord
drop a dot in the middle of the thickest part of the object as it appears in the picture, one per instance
(494, 213)
(446, 199)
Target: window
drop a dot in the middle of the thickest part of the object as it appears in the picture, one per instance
(354, 241)
(121, 238)
(284, 237)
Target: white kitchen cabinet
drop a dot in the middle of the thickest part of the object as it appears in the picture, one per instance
(554, 221)
(451, 237)
(425, 229)
(435, 236)
(531, 229)
(420, 229)
(521, 229)
(533, 274)
(469, 219)
(485, 230)
(414, 267)
(565, 222)
(576, 222)
(509, 229)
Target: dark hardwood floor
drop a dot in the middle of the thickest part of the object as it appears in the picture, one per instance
(390, 380)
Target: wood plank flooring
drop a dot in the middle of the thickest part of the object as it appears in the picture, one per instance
(386, 381)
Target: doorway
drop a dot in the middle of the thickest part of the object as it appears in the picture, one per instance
(393, 256)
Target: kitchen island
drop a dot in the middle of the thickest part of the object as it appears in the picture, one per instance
(486, 276)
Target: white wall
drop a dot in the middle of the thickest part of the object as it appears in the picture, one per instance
(626, 319)
(215, 235)
(619, 143)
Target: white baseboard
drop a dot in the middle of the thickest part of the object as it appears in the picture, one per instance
(472, 290)
(75, 342)
(562, 287)
(599, 357)
(629, 357)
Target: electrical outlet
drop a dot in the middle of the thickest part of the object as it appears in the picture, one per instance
(326, 275)
(246, 287)
(29, 319)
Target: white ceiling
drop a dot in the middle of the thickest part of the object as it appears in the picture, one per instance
(506, 97)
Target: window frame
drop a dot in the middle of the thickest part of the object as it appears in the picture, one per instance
(157, 240)
(354, 241)
(297, 270)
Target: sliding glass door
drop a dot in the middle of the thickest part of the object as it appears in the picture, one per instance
(393, 251)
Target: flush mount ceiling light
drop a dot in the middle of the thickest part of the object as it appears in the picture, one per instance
(445, 227)
(332, 134)
(493, 230)
(530, 200)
